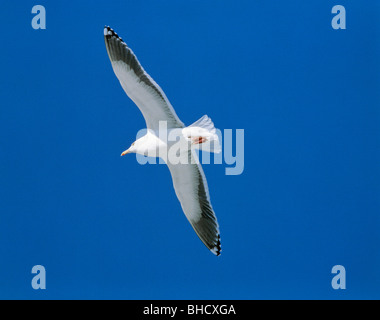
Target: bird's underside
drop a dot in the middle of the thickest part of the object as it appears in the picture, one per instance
(189, 181)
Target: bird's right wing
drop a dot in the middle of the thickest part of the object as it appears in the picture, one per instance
(191, 189)
(138, 85)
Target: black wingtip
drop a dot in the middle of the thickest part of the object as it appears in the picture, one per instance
(109, 33)
(218, 247)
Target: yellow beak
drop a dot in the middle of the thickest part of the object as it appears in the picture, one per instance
(125, 152)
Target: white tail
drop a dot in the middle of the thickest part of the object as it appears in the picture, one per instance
(202, 135)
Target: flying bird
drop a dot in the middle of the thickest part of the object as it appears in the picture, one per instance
(189, 181)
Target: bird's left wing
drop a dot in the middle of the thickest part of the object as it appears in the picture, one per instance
(190, 186)
(138, 85)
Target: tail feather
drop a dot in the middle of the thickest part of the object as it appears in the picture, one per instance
(202, 135)
(205, 122)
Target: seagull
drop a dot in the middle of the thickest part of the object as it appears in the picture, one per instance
(189, 181)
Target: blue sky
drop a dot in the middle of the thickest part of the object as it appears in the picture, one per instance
(105, 227)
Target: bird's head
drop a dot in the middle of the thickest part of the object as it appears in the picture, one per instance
(146, 145)
(139, 146)
(131, 149)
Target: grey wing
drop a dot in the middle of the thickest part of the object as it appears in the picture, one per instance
(192, 191)
(138, 85)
